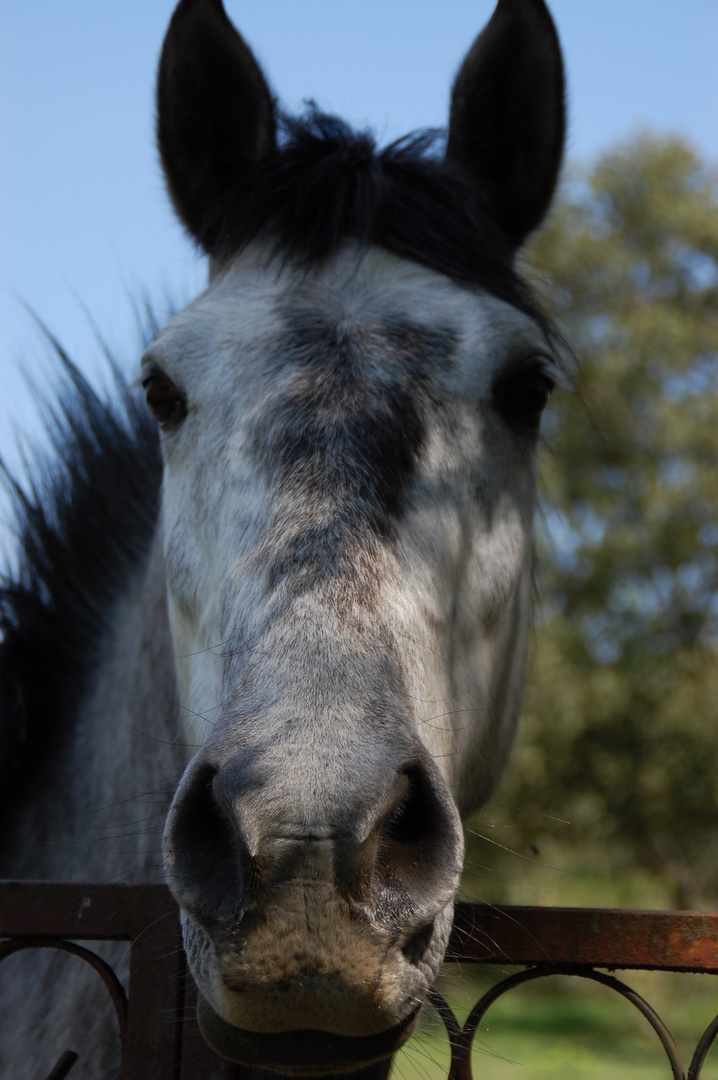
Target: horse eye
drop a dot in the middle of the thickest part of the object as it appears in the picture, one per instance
(521, 396)
(163, 398)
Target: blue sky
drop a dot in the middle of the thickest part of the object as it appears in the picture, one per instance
(84, 222)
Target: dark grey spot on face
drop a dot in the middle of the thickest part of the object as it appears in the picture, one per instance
(347, 431)
(315, 340)
(349, 425)
(426, 350)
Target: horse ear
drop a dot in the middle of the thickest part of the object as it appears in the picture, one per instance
(507, 123)
(215, 114)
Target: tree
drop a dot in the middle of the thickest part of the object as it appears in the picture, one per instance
(620, 729)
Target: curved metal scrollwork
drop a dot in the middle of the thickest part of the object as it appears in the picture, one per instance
(702, 1049)
(461, 1038)
(114, 987)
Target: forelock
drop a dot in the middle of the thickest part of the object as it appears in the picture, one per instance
(326, 183)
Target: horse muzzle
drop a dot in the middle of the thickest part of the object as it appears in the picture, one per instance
(328, 933)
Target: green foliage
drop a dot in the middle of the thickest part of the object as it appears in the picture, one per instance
(620, 729)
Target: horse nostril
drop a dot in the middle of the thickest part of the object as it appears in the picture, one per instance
(207, 866)
(419, 853)
(414, 820)
(415, 946)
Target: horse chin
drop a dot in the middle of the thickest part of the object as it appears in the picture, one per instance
(301, 1053)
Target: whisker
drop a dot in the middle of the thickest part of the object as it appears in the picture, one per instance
(518, 854)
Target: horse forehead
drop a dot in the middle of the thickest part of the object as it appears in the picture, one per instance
(389, 307)
(355, 284)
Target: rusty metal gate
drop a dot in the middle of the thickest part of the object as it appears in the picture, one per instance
(158, 1031)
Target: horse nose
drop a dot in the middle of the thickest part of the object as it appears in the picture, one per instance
(395, 856)
(408, 861)
(207, 863)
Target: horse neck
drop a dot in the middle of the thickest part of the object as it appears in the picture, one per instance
(96, 814)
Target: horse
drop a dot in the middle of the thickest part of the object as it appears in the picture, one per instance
(276, 613)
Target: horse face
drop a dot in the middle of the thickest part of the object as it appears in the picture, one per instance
(349, 450)
(347, 509)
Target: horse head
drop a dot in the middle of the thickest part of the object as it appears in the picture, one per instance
(349, 423)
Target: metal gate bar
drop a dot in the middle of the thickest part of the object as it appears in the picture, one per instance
(586, 937)
(161, 1040)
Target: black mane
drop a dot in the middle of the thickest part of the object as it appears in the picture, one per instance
(83, 521)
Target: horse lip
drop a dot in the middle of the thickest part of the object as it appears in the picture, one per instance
(303, 1053)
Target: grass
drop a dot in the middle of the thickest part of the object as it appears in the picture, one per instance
(566, 1028)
